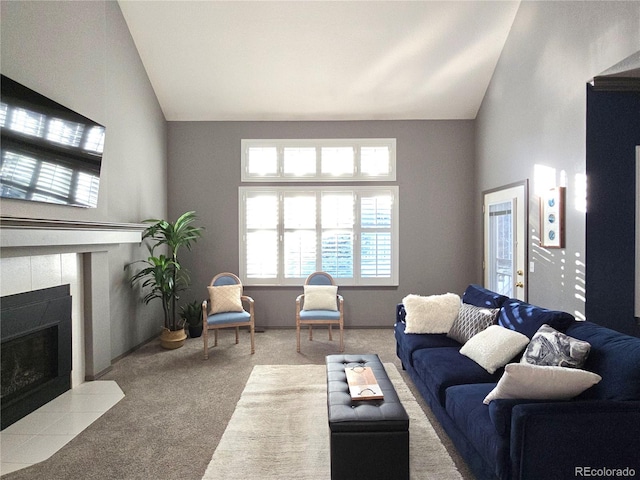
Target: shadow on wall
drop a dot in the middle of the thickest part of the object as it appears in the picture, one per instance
(568, 269)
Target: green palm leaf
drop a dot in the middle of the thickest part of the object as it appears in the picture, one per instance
(162, 276)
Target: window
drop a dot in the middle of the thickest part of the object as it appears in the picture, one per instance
(290, 232)
(326, 160)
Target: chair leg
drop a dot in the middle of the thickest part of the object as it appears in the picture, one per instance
(298, 337)
(253, 344)
(341, 339)
(215, 337)
(237, 335)
(310, 332)
(205, 339)
(330, 336)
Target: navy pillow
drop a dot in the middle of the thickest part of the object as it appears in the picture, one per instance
(481, 297)
(527, 319)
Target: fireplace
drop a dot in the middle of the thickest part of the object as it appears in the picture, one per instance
(36, 350)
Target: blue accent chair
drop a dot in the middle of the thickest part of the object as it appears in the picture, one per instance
(320, 317)
(235, 319)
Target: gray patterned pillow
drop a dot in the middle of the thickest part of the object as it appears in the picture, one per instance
(471, 320)
(553, 348)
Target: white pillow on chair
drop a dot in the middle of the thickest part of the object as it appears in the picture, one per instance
(320, 297)
(225, 298)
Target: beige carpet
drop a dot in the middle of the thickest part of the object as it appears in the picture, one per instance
(279, 429)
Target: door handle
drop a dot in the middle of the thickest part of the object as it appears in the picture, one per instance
(520, 284)
(520, 272)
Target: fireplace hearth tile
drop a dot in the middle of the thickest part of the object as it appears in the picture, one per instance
(72, 423)
(11, 444)
(39, 447)
(69, 402)
(80, 407)
(34, 423)
(95, 388)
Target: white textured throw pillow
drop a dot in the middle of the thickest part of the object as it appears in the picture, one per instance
(494, 347)
(320, 297)
(225, 298)
(430, 314)
(541, 382)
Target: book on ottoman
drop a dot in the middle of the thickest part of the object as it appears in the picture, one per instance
(363, 384)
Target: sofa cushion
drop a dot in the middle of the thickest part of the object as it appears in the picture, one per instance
(551, 347)
(481, 297)
(432, 313)
(464, 406)
(440, 368)
(494, 347)
(407, 343)
(527, 319)
(471, 320)
(615, 357)
(522, 380)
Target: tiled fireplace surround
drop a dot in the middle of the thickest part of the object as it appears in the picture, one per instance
(37, 254)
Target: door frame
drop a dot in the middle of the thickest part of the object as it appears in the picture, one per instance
(523, 183)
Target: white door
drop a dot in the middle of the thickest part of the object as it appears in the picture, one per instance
(505, 246)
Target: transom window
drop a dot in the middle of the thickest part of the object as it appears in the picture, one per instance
(290, 232)
(323, 160)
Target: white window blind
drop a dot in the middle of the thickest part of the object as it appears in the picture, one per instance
(261, 234)
(299, 162)
(289, 232)
(319, 160)
(376, 250)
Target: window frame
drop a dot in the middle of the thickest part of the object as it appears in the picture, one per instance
(357, 191)
(281, 144)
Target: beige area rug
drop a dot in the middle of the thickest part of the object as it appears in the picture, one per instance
(279, 429)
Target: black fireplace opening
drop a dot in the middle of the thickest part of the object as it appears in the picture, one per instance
(35, 359)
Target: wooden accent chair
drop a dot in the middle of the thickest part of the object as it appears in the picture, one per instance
(318, 307)
(225, 308)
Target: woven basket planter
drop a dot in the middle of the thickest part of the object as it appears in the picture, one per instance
(171, 339)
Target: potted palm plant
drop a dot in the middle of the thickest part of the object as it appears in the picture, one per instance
(162, 276)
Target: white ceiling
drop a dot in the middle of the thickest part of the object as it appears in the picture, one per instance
(319, 60)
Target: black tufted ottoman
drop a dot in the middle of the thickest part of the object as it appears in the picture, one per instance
(369, 438)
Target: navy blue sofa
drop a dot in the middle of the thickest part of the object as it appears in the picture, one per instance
(596, 434)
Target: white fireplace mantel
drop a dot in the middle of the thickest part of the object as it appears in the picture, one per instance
(28, 238)
(63, 235)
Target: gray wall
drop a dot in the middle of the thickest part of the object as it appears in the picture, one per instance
(81, 54)
(533, 120)
(435, 176)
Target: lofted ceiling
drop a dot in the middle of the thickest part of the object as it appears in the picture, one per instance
(319, 60)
